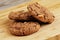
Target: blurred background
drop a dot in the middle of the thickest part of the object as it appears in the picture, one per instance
(8, 3)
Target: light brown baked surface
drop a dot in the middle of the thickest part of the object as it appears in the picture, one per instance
(45, 32)
(23, 28)
(40, 13)
(20, 15)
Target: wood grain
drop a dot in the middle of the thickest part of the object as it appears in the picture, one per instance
(57, 37)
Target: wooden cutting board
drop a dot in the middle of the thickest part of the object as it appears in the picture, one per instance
(45, 32)
(57, 37)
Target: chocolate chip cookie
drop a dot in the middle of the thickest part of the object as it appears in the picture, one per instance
(41, 13)
(23, 28)
(20, 15)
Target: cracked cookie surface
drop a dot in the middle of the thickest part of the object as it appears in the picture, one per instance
(41, 13)
(20, 15)
(23, 28)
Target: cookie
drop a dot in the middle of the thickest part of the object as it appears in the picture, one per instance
(40, 13)
(20, 15)
(23, 28)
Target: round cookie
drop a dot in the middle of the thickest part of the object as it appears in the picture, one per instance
(20, 15)
(23, 28)
(41, 13)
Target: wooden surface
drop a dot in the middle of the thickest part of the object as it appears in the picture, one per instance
(57, 37)
(45, 32)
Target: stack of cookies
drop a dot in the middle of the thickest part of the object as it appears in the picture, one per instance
(26, 22)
